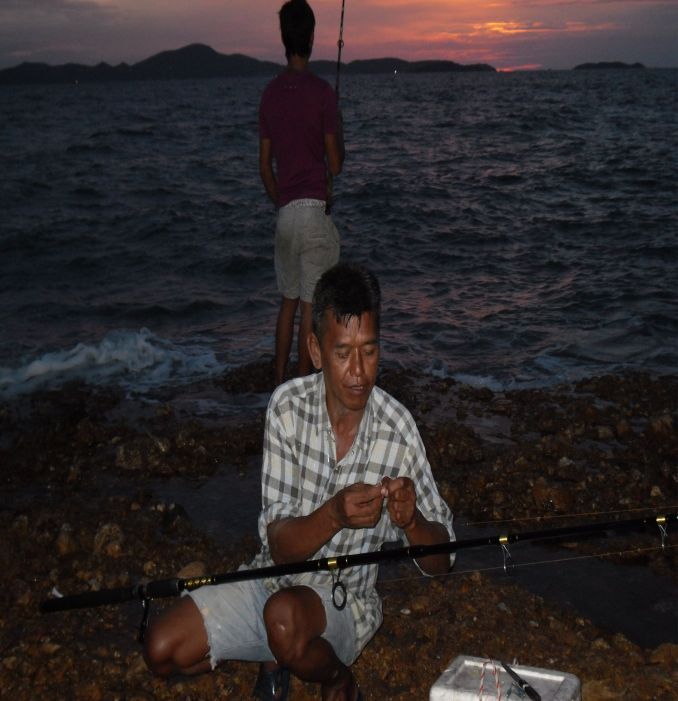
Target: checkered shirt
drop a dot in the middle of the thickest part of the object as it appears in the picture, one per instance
(300, 473)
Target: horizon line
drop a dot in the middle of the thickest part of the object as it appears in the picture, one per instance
(508, 69)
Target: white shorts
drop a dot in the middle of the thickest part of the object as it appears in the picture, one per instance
(234, 622)
(306, 245)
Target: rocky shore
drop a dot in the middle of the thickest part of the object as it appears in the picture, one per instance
(78, 512)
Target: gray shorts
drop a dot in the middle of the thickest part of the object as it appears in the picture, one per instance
(234, 622)
(306, 245)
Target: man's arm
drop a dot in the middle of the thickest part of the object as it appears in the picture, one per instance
(402, 508)
(266, 169)
(334, 148)
(295, 539)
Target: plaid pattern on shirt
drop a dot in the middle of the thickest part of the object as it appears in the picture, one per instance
(300, 473)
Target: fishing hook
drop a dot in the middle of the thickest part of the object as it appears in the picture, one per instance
(506, 554)
(146, 607)
(663, 533)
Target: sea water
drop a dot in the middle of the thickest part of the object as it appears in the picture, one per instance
(523, 226)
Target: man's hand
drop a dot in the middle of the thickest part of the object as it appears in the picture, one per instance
(401, 501)
(358, 506)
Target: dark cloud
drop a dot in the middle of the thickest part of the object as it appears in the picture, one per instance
(52, 30)
(28, 6)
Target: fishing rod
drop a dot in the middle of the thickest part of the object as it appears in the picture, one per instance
(340, 46)
(173, 587)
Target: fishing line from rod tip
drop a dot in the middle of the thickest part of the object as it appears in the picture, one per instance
(535, 563)
(573, 515)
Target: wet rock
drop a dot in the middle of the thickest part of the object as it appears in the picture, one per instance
(623, 428)
(20, 525)
(554, 496)
(600, 644)
(49, 648)
(65, 543)
(150, 568)
(135, 667)
(174, 517)
(605, 433)
(109, 540)
(596, 690)
(661, 426)
(89, 691)
(497, 498)
(73, 474)
(521, 463)
(666, 654)
(129, 458)
(21, 593)
(193, 569)
(10, 662)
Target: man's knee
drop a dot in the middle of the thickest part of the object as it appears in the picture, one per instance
(292, 617)
(176, 640)
(157, 652)
(280, 628)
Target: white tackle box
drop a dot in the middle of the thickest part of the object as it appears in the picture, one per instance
(462, 680)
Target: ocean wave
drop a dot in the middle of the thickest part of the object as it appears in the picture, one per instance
(136, 360)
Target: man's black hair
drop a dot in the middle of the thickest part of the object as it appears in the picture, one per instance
(347, 290)
(297, 23)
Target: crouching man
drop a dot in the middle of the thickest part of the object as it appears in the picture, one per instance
(344, 471)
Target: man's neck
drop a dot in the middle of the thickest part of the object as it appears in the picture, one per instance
(345, 428)
(297, 64)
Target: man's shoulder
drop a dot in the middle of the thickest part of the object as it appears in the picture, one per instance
(315, 79)
(295, 392)
(272, 85)
(388, 410)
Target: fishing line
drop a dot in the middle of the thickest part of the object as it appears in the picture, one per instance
(535, 563)
(175, 586)
(553, 517)
(340, 46)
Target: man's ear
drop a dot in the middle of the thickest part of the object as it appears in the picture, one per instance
(314, 351)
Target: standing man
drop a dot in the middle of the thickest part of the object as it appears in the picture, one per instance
(300, 130)
(344, 471)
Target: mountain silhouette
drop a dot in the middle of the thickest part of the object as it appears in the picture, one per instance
(200, 61)
(605, 65)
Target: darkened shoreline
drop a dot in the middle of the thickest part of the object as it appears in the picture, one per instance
(607, 444)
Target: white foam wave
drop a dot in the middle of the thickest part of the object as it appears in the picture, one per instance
(137, 360)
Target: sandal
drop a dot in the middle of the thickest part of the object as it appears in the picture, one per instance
(272, 686)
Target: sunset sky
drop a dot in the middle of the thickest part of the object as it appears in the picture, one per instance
(508, 34)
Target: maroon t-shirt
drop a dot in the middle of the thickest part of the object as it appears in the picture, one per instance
(296, 111)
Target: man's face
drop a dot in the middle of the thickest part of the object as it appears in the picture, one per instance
(348, 355)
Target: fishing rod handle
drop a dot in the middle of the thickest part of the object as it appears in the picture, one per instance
(90, 598)
(159, 589)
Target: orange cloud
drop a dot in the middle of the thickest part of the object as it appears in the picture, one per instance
(514, 27)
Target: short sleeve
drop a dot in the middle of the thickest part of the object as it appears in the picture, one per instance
(280, 487)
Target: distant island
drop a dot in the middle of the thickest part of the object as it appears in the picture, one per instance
(604, 65)
(199, 61)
